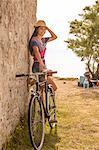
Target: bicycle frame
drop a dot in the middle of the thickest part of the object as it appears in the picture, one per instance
(45, 84)
(38, 84)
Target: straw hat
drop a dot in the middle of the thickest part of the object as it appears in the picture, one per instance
(40, 23)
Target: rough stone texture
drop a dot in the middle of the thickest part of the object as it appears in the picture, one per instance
(16, 23)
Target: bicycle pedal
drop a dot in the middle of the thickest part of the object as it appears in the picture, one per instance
(52, 107)
(52, 121)
(52, 94)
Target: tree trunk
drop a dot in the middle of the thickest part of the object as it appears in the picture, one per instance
(88, 65)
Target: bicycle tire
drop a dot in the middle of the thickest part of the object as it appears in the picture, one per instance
(51, 108)
(36, 127)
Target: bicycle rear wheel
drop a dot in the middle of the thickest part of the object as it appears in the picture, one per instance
(51, 107)
(36, 122)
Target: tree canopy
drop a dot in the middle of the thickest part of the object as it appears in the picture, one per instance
(84, 40)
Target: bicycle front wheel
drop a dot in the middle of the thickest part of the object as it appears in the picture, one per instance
(36, 122)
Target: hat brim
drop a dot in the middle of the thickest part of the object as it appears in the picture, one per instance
(40, 23)
(39, 26)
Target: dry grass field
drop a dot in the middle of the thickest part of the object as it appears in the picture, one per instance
(78, 117)
(78, 121)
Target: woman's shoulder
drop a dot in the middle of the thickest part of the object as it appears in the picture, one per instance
(34, 39)
(34, 42)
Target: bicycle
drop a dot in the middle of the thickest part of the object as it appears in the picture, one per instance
(38, 112)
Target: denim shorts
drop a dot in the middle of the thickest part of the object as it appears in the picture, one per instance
(35, 68)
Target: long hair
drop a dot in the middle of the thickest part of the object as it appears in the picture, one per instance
(33, 35)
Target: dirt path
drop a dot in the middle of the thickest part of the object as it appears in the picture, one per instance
(78, 118)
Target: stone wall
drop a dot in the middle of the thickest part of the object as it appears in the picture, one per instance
(16, 23)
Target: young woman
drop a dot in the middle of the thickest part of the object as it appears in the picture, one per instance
(37, 45)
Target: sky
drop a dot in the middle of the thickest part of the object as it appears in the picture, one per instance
(57, 15)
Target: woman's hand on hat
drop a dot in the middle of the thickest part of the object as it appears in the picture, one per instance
(47, 28)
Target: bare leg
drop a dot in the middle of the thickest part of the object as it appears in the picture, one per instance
(50, 81)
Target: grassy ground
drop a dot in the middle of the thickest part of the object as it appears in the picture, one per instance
(78, 121)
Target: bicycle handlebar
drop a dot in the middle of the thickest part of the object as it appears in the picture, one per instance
(20, 75)
(48, 72)
(27, 75)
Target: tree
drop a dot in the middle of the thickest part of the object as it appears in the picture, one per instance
(85, 36)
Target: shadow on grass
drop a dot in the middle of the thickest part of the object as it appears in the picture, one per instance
(20, 139)
(51, 139)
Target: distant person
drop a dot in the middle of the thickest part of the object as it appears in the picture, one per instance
(37, 46)
(87, 76)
